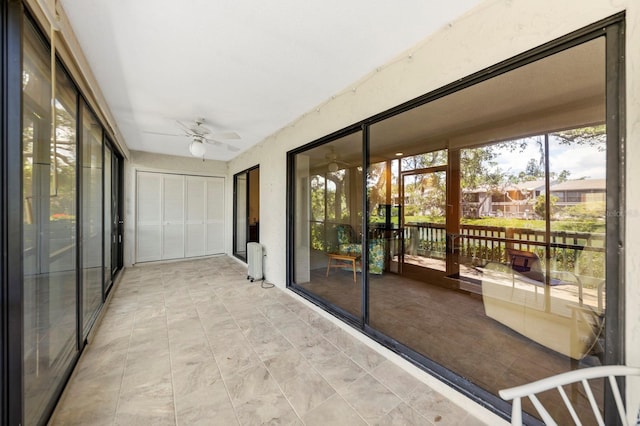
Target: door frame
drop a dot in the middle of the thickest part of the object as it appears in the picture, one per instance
(418, 271)
(247, 203)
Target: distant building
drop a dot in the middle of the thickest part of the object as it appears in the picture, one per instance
(572, 192)
(517, 200)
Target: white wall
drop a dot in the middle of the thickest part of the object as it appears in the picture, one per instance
(494, 31)
(146, 161)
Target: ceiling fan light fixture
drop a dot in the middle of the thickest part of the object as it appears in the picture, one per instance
(333, 167)
(197, 149)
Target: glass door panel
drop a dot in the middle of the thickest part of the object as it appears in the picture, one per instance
(116, 217)
(49, 227)
(253, 210)
(509, 229)
(246, 220)
(92, 221)
(240, 217)
(328, 234)
(107, 216)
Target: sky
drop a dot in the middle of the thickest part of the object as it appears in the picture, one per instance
(581, 161)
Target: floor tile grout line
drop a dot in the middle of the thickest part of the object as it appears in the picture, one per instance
(227, 299)
(365, 371)
(262, 361)
(126, 359)
(173, 389)
(312, 366)
(222, 375)
(300, 417)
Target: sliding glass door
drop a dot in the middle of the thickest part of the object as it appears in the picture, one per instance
(70, 224)
(483, 239)
(50, 212)
(112, 217)
(92, 221)
(246, 210)
(108, 216)
(329, 240)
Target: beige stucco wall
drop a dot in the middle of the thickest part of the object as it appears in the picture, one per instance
(494, 31)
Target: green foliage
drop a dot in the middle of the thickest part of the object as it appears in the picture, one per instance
(424, 219)
(540, 207)
(426, 160)
(514, 223)
(505, 222)
(533, 171)
(595, 136)
(562, 177)
(478, 168)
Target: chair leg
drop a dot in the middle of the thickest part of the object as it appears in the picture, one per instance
(353, 262)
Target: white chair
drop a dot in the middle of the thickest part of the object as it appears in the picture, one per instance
(558, 381)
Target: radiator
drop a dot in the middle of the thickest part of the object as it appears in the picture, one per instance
(254, 261)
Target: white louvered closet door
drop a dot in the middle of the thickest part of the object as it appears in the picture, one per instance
(215, 216)
(178, 216)
(149, 217)
(173, 213)
(195, 216)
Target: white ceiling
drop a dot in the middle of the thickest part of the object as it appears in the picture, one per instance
(246, 66)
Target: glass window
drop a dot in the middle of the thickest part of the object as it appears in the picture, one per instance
(49, 234)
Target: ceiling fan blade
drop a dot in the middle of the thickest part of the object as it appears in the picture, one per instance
(195, 129)
(161, 134)
(226, 135)
(218, 143)
(184, 127)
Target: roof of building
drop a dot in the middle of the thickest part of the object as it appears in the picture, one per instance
(528, 185)
(580, 185)
(568, 185)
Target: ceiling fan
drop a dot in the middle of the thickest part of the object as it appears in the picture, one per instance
(201, 135)
(334, 163)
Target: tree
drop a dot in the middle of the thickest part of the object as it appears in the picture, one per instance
(478, 168)
(563, 176)
(540, 207)
(595, 136)
(532, 171)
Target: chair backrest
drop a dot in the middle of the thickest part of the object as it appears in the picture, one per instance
(526, 263)
(346, 234)
(558, 381)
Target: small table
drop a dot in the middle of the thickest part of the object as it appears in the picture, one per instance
(337, 260)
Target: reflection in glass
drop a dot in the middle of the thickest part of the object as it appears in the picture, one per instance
(495, 269)
(92, 246)
(385, 214)
(49, 238)
(424, 218)
(328, 223)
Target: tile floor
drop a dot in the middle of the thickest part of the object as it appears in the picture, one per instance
(194, 342)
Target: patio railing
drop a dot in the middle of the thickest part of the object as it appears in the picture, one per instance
(579, 252)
